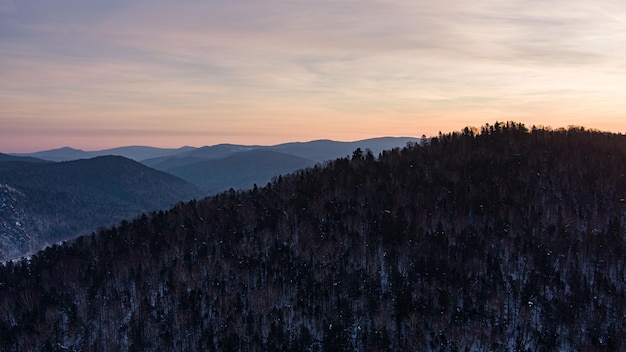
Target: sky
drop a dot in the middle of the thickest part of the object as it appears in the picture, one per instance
(97, 74)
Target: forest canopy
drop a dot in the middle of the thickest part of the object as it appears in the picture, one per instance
(502, 237)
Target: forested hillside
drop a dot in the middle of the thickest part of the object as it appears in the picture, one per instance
(498, 239)
(47, 202)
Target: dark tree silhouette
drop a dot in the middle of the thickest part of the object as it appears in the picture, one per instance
(499, 238)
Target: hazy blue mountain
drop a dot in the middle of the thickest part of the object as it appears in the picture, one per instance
(139, 153)
(8, 157)
(60, 154)
(195, 155)
(164, 158)
(57, 201)
(219, 150)
(220, 167)
(324, 149)
(318, 150)
(131, 152)
(239, 170)
(165, 163)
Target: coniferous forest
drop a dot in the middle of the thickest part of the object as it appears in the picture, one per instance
(502, 238)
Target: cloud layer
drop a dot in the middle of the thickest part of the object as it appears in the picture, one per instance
(204, 72)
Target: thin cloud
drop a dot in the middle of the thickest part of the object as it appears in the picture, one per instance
(325, 61)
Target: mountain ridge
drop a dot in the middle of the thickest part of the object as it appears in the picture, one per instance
(134, 152)
(239, 170)
(62, 200)
(212, 169)
(202, 165)
(145, 153)
(8, 157)
(504, 238)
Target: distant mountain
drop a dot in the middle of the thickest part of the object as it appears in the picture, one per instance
(223, 166)
(324, 150)
(194, 155)
(57, 201)
(202, 166)
(507, 239)
(318, 150)
(220, 167)
(239, 170)
(60, 154)
(131, 152)
(8, 157)
(139, 153)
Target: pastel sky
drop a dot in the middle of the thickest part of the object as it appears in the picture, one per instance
(95, 74)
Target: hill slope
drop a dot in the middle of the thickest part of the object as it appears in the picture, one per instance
(7, 157)
(505, 240)
(240, 170)
(57, 201)
(224, 166)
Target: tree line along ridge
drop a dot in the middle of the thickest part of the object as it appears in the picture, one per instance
(498, 238)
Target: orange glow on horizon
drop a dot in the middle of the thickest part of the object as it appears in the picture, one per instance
(225, 73)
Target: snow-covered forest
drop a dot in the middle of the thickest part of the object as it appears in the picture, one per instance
(501, 238)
